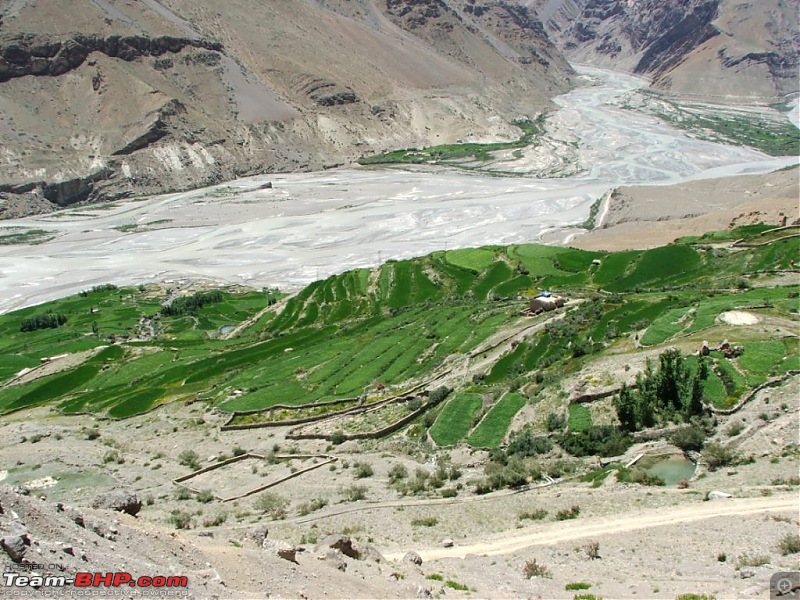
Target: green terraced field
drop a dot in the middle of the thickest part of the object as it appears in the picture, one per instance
(491, 430)
(474, 259)
(765, 359)
(356, 332)
(659, 266)
(455, 420)
(580, 419)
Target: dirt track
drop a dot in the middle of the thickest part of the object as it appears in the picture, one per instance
(588, 528)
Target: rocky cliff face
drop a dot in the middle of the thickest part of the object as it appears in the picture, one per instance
(650, 36)
(720, 49)
(32, 54)
(101, 100)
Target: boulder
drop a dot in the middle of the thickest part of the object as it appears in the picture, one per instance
(447, 543)
(333, 558)
(121, 501)
(75, 516)
(258, 534)
(16, 546)
(715, 495)
(99, 527)
(281, 549)
(423, 592)
(339, 542)
(413, 558)
(369, 552)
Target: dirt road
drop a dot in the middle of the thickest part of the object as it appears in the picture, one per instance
(581, 528)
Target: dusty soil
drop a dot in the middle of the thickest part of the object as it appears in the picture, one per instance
(637, 217)
(739, 317)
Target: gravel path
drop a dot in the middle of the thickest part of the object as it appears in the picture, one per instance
(593, 527)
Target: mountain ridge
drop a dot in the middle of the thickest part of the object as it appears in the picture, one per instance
(733, 51)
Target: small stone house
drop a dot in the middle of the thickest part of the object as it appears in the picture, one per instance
(546, 302)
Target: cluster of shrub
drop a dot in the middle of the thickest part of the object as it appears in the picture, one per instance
(569, 333)
(106, 287)
(673, 393)
(45, 321)
(423, 481)
(517, 465)
(189, 305)
(599, 440)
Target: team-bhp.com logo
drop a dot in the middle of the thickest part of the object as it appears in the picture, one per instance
(94, 580)
(785, 584)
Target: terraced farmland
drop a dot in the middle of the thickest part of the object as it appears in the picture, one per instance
(455, 420)
(491, 430)
(367, 334)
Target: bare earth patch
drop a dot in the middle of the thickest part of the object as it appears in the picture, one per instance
(739, 317)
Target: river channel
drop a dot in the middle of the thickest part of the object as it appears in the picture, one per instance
(311, 225)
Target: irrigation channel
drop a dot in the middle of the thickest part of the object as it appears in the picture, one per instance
(311, 225)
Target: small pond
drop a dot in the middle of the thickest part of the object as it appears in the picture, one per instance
(671, 468)
(226, 329)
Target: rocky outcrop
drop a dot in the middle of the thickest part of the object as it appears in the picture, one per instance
(413, 558)
(31, 54)
(517, 26)
(43, 196)
(342, 543)
(781, 65)
(15, 546)
(121, 501)
(416, 13)
(674, 35)
(155, 129)
(328, 93)
(281, 549)
(74, 190)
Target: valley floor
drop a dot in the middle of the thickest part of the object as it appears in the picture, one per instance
(654, 542)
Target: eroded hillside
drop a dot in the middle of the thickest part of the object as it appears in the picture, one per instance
(112, 99)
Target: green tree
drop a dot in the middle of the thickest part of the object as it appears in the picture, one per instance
(672, 393)
(626, 405)
(695, 407)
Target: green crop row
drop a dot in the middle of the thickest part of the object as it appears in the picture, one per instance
(492, 429)
(353, 331)
(455, 420)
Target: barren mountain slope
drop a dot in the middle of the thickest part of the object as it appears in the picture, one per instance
(100, 99)
(729, 49)
(634, 217)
